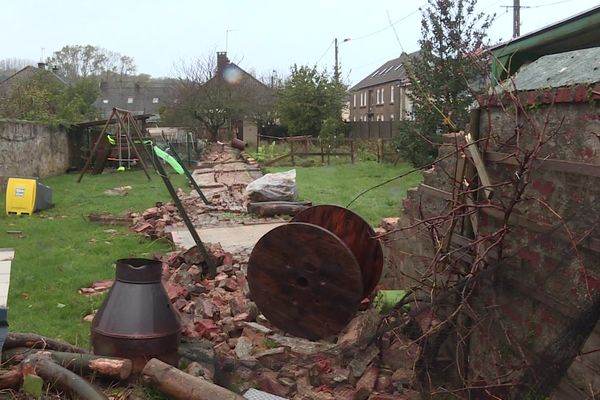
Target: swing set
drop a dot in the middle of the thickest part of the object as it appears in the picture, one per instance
(126, 134)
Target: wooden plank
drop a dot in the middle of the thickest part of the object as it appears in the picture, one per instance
(274, 160)
(551, 164)
(435, 192)
(456, 198)
(473, 151)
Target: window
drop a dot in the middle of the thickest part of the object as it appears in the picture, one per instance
(377, 97)
(105, 101)
(354, 118)
(354, 102)
(382, 98)
(392, 94)
(382, 118)
(129, 100)
(391, 117)
(155, 100)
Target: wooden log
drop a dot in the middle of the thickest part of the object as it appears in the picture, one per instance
(32, 340)
(272, 208)
(60, 377)
(181, 386)
(11, 379)
(109, 367)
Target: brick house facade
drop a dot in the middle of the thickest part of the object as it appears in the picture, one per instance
(383, 94)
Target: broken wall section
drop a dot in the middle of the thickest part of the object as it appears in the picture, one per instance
(537, 297)
(29, 149)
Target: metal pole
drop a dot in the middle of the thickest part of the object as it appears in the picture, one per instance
(517, 18)
(210, 262)
(171, 149)
(337, 66)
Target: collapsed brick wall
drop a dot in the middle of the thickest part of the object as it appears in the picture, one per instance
(30, 149)
(530, 302)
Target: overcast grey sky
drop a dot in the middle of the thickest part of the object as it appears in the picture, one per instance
(264, 35)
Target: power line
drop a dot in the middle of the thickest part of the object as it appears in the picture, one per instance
(386, 27)
(325, 53)
(540, 5)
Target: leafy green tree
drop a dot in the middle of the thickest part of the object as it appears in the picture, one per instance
(308, 98)
(75, 62)
(42, 97)
(443, 76)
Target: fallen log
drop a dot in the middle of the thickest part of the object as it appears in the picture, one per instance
(272, 208)
(60, 377)
(108, 367)
(31, 340)
(11, 379)
(181, 386)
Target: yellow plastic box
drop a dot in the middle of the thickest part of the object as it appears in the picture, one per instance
(27, 195)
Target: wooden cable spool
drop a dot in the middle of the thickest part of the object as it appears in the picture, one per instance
(309, 276)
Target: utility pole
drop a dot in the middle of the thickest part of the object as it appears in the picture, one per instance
(337, 66)
(516, 18)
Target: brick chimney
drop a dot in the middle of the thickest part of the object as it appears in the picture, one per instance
(222, 61)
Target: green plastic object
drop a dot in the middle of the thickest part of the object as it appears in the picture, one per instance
(168, 158)
(33, 384)
(385, 300)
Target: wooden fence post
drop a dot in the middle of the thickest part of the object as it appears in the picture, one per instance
(292, 151)
(379, 151)
(322, 152)
(352, 150)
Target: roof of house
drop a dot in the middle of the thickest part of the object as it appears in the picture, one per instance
(574, 33)
(391, 71)
(31, 69)
(559, 70)
(233, 73)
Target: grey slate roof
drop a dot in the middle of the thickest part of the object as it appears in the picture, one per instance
(392, 71)
(143, 93)
(558, 70)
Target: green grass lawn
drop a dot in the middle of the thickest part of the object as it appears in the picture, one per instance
(339, 184)
(59, 251)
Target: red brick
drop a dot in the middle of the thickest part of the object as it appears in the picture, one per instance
(547, 97)
(544, 187)
(586, 152)
(581, 94)
(205, 326)
(366, 383)
(563, 95)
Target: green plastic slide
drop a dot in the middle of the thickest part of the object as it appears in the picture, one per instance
(168, 158)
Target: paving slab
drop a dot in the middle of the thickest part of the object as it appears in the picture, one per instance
(233, 239)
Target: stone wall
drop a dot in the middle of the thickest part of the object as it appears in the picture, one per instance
(29, 149)
(538, 296)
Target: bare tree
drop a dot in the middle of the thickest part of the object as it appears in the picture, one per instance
(9, 66)
(215, 94)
